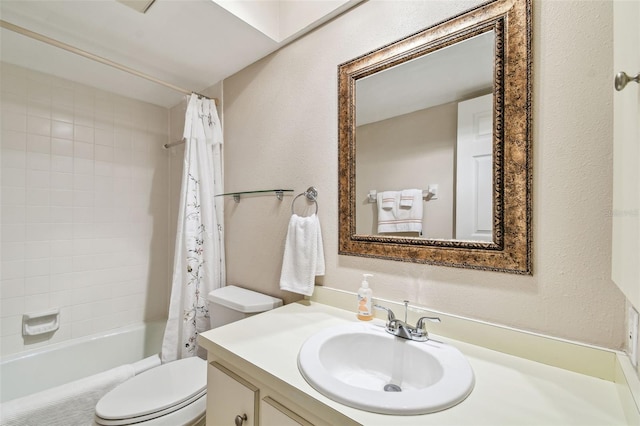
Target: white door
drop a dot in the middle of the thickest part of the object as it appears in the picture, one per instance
(474, 177)
(625, 270)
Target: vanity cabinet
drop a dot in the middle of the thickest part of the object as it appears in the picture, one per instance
(272, 413)
(233, 392)
(232, 400)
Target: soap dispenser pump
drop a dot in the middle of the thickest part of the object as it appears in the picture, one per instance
(364, 300)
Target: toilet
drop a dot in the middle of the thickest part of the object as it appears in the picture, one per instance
(175, 393)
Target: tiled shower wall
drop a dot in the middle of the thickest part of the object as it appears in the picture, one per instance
(85, 207)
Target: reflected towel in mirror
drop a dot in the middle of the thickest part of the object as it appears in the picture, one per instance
(387, 199)
(401, 218)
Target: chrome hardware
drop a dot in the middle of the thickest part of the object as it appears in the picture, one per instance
(311, 194)
(422, 320)
(240, 419)
(622, 79)
(390, 315)
(402, 329)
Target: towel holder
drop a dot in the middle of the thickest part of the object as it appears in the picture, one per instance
(311, 193)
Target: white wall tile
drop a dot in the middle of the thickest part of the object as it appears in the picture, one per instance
(61, 265)
(103, 137)
(12, 288)
(61, 129)
(11, 306)
(38, 161)
(38, 88)
(14, 121)
(36, 302)
(38, 125)
(62, 163)
(83, 150)
(12, 250)
(13, 232)
(12, 214)
(70, 235)
(39, 179)
(13, 159)
(83, 133)
(36, 285)
(38, 143)
(61, 181)
(60, 214)
(62, 113)
(103, 153)
(12, 270)
(37, 249)
(37, 214)
(83, 182)
(13, 140)
(39, 109)
(38, 232)
(37, 197)
(61, 248)
(61, 198)
(10, 325)
(62, 147)
(82, 166)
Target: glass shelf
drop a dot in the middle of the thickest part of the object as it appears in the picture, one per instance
(236, 195)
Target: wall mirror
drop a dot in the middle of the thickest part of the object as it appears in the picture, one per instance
(435, 142)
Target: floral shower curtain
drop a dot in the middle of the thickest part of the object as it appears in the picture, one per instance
(199, 261)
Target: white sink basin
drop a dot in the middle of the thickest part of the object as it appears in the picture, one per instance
(363, 366)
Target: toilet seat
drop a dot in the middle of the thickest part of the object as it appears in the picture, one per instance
(155, 393)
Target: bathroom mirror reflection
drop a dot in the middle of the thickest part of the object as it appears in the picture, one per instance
(434, 144)
(427, 124)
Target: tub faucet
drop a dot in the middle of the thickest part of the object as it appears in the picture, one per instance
(403, 329)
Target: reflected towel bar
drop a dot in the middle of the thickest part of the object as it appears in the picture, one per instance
(427, 194)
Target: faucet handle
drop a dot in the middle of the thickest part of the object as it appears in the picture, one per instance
(420, 333)
(421, 321)
(390, 314)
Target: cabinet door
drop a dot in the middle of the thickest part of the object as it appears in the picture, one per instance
(626, 153)
(230, 398)
(272, 413)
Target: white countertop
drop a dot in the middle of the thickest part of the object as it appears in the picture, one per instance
(508, 390)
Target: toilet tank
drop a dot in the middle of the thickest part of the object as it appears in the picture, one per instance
(231, 303)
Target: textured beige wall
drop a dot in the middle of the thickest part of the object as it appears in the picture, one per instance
(281, 131)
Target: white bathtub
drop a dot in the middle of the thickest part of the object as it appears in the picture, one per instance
(39, 369)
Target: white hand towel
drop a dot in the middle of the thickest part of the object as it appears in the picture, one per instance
(388, 199)
(407, 196)
(303, 255)
(386, 211)
(402, 219)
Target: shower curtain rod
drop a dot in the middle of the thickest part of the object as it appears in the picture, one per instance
(176, 143)
(72, 49)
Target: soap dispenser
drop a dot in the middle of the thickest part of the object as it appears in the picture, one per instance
(364, 300)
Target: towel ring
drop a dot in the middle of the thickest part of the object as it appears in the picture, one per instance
(311, 193)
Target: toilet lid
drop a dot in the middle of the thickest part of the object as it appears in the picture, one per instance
(160, 390)
(243, 300)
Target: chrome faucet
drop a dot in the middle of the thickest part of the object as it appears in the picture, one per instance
(403, 329)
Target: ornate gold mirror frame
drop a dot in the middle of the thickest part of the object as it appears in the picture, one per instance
(510, 251)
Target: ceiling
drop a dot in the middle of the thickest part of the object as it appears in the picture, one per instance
(458, 72)
(192, 44)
